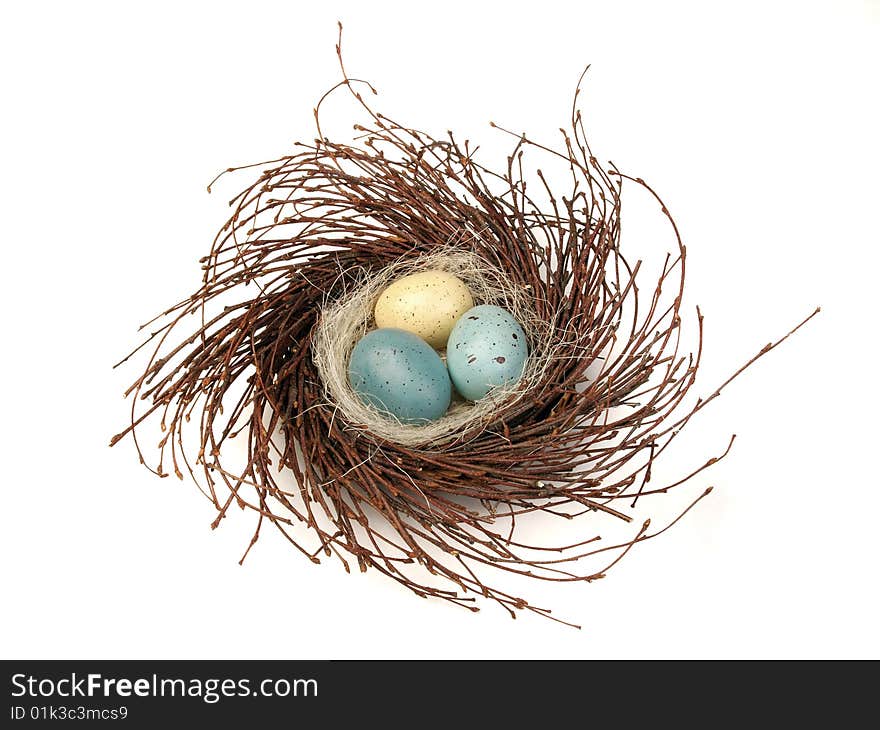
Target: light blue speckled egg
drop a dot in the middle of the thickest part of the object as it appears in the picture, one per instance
(399, 373)
(487, 347)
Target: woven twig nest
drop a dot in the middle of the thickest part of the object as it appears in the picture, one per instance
(288, 287)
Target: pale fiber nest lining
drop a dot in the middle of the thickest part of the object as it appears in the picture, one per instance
(344, 321)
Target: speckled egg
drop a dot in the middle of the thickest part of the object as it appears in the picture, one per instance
(399, 373)
(428, 304)
(487, 347)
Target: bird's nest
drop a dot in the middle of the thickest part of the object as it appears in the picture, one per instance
(287, 289)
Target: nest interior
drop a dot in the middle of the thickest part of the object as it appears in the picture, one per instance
(437, 513)
(343, 321)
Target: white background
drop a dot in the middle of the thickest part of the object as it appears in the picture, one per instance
(756, 121)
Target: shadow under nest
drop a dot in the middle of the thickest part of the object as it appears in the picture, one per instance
(579, 442)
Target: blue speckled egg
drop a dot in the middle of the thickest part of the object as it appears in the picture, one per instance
(399, 373)
(487, 347)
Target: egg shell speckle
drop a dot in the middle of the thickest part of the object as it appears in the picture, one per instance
(427, 303)
(397, 372)
(487, 348)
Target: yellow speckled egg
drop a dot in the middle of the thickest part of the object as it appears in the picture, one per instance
(428, 304)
